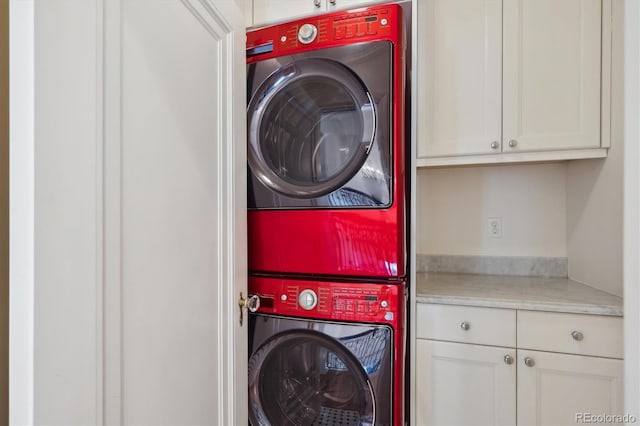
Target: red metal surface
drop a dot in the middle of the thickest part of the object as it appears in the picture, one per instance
(363, 303)
(368, 243)
(334, 29)
(363, 242)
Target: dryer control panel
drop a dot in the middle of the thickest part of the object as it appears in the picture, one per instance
(382, 22)
(383, 303)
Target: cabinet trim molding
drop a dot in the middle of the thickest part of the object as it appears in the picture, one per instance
(525, 157)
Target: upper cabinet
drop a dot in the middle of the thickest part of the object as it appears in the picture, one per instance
(512, 80)
(270, 11)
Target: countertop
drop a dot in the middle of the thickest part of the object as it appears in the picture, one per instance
(514, 292)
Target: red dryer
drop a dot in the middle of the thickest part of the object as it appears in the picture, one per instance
(326, 145)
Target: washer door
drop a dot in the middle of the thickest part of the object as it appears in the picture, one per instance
(311, 125)
(304, 377)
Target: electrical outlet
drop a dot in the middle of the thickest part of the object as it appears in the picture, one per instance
(495, 227)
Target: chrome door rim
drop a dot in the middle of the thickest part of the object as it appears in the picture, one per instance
(280, 79)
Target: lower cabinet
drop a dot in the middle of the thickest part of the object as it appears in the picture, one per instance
(561, 389)
(462, 383)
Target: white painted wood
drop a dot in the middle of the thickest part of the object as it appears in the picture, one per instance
(559, 386)
(413, 223)
(271, 11)
(183, 238)
(113, 258)
(460, 384)
(552, 74)
(486, 326)
(346, 4)
(610, 23)
(513, 157)
(460, 77)
(267, 12)
(551, 331)
(632, 207)
(129, 162)
(67, 212)
(21, 211)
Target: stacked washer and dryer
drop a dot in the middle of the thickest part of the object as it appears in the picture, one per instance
(326, 220)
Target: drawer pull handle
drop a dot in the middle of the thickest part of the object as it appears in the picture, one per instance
(465, 325)
(578, 336)
(529, 362)
(508, 359)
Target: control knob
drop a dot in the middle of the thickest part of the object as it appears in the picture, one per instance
(308, 299)
(307, 33)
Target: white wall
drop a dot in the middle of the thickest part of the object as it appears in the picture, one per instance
(4, 212)
(632, 208)
(594, 194)
(454, 206)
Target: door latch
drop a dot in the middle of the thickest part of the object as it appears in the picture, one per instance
(252, 304)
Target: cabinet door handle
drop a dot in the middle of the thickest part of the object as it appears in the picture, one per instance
(465, 325)
(513, 143)
(494, 145)
(529, 362)
(333, 2)
(508, 359)
(577, 335)
(317, 3)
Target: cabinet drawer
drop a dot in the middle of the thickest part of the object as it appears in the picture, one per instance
(570, 333)
(485, 326)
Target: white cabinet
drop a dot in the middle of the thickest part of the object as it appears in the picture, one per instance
(500, 79)
(481, 366)
(460, 78)
(271, 11)
(554, 388)
(462, 384)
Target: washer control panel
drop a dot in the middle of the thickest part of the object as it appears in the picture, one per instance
(376, 22)
(332, 300)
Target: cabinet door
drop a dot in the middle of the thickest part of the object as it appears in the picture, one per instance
(461, 384)
(344, 4)
(271, 11)
(552, 60)
(459, 77)
(559, 387)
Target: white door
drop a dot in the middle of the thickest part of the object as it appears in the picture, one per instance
(555, 389)
(128, 230)
(462, 384)
(460, 77)
(552, 60)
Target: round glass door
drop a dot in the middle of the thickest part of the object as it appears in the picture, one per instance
(311, 125)
(304, 377)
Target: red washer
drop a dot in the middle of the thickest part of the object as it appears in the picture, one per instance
(326, 145)
(326, 353)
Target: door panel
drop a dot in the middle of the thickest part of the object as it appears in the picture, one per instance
(128, 312)
(559, 387)
(462, 384)
(460, 87)
(552, 53)
(183, 212)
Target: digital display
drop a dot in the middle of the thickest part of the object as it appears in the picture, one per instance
(370, 19)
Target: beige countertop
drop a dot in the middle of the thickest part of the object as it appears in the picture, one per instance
(529, 293)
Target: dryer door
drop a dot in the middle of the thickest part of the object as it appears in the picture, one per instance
(304, 377)
(311, 125)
